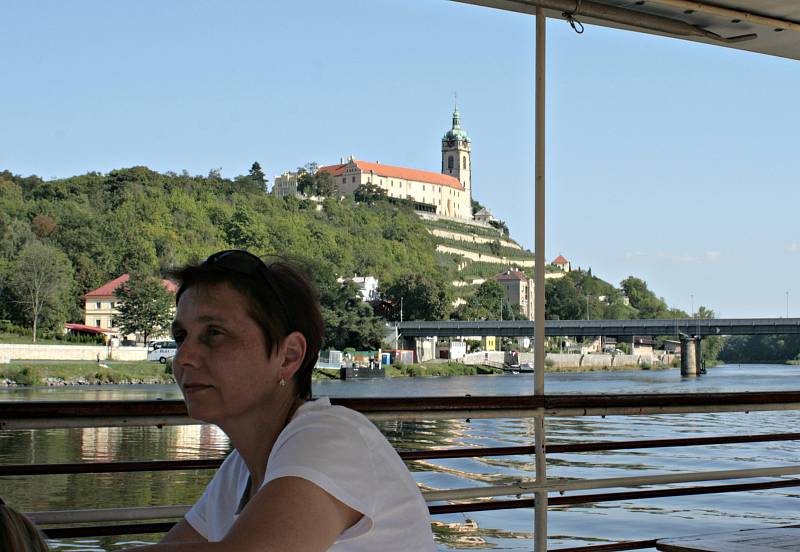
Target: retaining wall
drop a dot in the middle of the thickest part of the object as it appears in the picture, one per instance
(10, 352)
(564, 360)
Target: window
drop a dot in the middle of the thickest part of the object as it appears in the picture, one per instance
(423, 187)
(450, 162)
(112, 304)
(111, 323)
(97, 323)
(464, 162)
(344, 180)
(99, 305)
(352, 179)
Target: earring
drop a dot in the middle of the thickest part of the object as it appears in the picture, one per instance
(282, 382)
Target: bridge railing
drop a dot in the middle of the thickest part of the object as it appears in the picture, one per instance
(119, 521)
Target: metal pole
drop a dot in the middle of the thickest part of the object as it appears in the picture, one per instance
(540, 509)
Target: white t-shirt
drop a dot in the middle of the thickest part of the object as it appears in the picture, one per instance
(342, 452)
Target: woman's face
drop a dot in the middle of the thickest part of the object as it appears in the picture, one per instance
(221, 364)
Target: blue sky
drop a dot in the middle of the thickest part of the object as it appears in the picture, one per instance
(667, 160)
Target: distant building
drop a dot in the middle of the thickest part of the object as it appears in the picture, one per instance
(367, 286)
(642, 345)
(483, 215)
(446, 193)
(100, 308)
(518, 289)
(285, 184)
(562, 263)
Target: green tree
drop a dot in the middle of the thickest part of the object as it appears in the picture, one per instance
(485, 303)
(643, 300)
(563, 300)
(369, 193)
(349, 321)
(257, 176)
(421, 296)
(324, 184)
(145, 306)
(41, 280)
(305, 182)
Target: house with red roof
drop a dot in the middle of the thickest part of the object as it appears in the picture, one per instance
(100, 305)
(561, 263)
(447, 193)
(518, 289)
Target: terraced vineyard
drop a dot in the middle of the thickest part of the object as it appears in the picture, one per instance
(467, 253)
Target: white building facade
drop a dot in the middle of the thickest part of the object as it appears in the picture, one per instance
(448, 193)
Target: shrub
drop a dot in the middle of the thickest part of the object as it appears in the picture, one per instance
(29, 376)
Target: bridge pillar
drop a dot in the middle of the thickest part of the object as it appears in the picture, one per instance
(690, 356)
(698, 355)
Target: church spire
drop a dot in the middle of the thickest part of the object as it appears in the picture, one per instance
(456, 114)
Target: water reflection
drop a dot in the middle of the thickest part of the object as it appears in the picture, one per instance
(500, 530)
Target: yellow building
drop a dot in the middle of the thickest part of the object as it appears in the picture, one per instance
(100, 306)
(285, 184)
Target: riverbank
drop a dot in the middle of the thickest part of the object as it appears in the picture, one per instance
(61, 373)
(54, 373)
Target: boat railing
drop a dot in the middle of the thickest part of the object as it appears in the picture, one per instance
(566, 492)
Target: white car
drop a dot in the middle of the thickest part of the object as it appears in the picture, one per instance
(161, 351)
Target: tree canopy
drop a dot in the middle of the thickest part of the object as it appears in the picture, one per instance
(144, 305)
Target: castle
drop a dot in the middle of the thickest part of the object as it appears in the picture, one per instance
(448, 193)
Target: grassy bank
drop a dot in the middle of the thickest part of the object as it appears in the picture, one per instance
(76, 373)
(439, 369)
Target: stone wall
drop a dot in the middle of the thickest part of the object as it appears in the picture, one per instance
(10, 352)
(475, 256)
(563, 360)
(472, 238)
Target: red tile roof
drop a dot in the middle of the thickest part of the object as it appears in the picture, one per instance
(560, 260)
(390, 171)
(108, 289)
(511, 274)
(87, 329)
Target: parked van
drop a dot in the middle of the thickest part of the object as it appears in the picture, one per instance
(161, 351)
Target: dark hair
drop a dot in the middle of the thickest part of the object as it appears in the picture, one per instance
(18, 533)
(281, 300)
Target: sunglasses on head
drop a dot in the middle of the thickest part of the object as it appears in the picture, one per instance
(244, 262)
(239, 261)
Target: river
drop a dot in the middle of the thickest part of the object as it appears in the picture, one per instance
(508, 530)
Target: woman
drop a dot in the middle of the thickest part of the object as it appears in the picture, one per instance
(304, 475)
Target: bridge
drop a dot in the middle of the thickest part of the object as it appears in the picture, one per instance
(689, 331)
(698, 327)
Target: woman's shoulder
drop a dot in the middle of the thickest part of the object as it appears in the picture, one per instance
(318, 422)
(321, 411)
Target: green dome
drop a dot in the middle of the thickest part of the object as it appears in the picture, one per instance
(456, 133)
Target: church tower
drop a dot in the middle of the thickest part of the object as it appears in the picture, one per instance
(457, 156)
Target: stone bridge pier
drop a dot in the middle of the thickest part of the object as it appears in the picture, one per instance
(691, 356)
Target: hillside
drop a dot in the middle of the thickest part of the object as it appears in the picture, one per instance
(139, 221)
